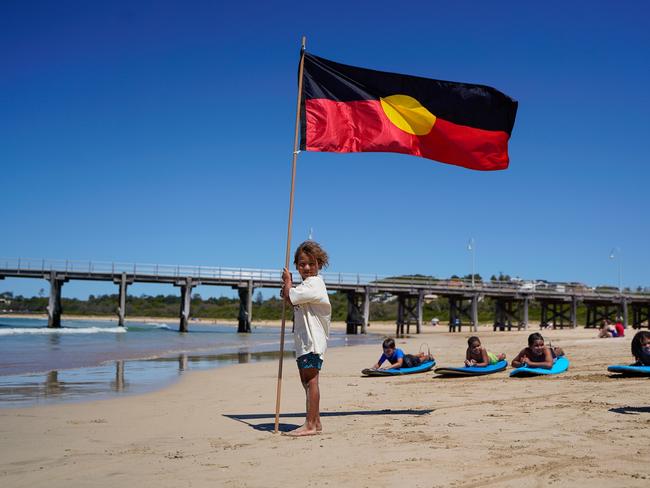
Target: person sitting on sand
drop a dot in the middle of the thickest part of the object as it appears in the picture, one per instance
(396, 357)
(537, 355)
(641, 348)
(477, 355)
(607, 329)
(620, 328)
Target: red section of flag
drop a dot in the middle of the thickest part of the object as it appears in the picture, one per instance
(362, 126)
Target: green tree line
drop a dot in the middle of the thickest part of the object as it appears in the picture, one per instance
(228, 308)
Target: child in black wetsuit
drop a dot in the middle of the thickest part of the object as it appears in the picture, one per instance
(537, 355)
(641, 348)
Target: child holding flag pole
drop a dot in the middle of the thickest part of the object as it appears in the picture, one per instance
(343, 108)
(312, 316)
(278, 390)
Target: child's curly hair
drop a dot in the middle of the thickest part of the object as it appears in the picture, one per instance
(314, 250)
(636, 342)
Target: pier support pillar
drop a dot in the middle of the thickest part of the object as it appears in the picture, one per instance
(245, 307)
(555, 313)
(399, 331)
(597, 311)
(502, 317)
(186, 299)
(182, 362)
(454, 315)
(420, 310)
(526, 306)
(52, 383)
(574, 312)
(54, 308)
(407, 313)
(624, 309)
(121, 309)
(356, 312)
(366, 311)
(509, 313)
(459, 307)
(640, 315)
(118, 384)
(475, 312)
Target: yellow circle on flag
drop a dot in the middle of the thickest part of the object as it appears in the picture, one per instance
(408, 114)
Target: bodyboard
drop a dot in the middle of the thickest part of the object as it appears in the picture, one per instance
(629, 370)
(560, 366)
(473, 370)
(421, 368)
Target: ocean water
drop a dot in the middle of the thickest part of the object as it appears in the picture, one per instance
(88, 360)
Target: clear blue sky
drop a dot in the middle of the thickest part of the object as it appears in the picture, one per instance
(162, 132)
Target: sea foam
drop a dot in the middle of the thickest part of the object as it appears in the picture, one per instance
(62, 330)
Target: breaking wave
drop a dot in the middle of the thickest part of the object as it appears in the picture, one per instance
(63, 330)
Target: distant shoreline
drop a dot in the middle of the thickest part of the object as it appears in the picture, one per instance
(112, 318)
(375, 327)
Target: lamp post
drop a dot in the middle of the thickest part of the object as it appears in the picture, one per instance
(615, 253)
(471, 248)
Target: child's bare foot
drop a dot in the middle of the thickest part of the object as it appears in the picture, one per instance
(302, 431)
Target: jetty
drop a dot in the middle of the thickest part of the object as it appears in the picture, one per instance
(558, 301)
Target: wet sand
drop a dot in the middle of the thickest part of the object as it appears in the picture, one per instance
(581, 428)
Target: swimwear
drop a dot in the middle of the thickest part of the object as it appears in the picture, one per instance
(411, 361)
(644, 358)
(310, 360)
(398, 354)
(542, 357)
(492, 358)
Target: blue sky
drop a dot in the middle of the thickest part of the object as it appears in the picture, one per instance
(162, 132)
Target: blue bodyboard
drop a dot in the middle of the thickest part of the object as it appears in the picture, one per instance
(472, 370)
(560, 366)
(629, 370)
(422, 368)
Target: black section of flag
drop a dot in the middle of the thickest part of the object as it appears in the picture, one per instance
(477, 106)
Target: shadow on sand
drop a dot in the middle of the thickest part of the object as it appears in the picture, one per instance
(270, 426)
(630, 410)
(627, 375)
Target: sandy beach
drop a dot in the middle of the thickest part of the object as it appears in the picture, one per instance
(213, 428)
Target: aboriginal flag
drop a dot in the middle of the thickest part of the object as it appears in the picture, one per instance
(350, 109)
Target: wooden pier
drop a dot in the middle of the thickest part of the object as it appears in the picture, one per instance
(512, 299)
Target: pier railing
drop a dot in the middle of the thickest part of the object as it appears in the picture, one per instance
(136, 269)
(167, 270)
(114, 269)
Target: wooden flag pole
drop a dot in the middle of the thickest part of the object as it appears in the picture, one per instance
(288, 253)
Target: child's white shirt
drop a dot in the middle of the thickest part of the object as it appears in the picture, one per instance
(312, 316)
